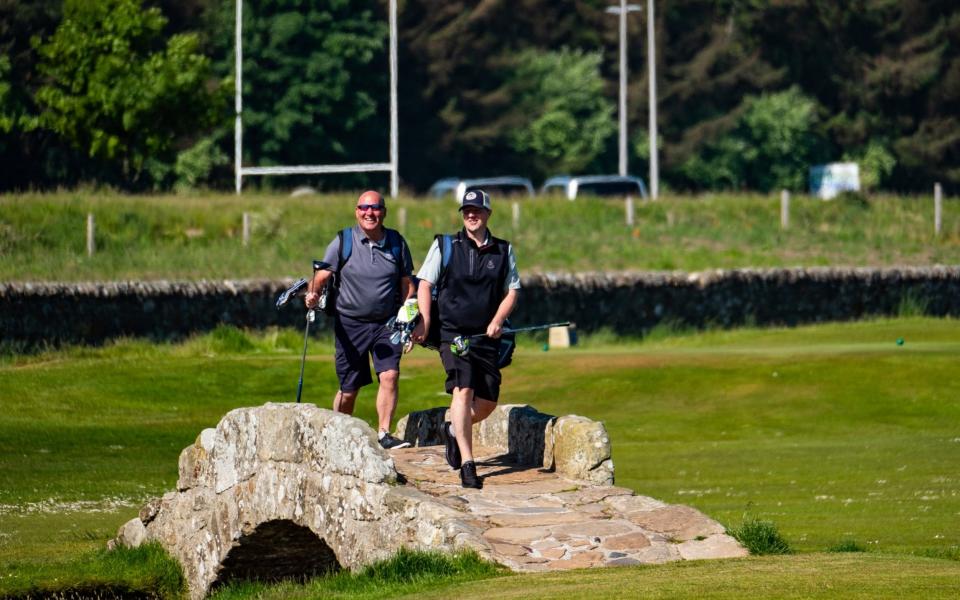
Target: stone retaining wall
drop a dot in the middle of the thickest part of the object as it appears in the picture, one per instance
(630, 303)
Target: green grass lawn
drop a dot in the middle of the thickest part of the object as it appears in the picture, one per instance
(42, 237)
(833, 432)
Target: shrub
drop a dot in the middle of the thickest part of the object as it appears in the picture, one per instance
(847, 546)
(761, 537)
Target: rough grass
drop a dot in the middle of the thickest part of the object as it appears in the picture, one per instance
(406, 573)
(832, 432)
(42, 237)
(144, 572)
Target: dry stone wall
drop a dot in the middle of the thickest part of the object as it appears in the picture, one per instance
(631, 303)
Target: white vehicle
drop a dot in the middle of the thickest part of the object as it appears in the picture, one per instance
(572, 186)
(497, 187)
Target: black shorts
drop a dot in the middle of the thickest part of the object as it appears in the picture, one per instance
(355, 342)
(477, 370)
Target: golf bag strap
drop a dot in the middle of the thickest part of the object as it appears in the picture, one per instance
(346, 247)
(395, 246)
(445, 246)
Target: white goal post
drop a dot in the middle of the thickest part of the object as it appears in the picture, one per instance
(240, 171)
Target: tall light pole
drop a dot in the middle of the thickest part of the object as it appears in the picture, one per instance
(622, 12)
(652, 74)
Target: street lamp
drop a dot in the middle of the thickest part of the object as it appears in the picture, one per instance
(622, 12)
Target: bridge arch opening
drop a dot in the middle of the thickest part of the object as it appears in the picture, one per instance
(277, 550)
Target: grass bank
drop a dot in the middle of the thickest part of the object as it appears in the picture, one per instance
(837, 434)
(43, 237)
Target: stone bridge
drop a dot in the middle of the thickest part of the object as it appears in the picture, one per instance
(292, 490)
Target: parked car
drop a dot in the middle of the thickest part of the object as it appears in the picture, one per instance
(497, 187)
(572, 186)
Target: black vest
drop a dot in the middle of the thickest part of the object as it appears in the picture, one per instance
(472, 284)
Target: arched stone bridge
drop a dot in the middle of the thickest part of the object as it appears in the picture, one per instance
(292, 490)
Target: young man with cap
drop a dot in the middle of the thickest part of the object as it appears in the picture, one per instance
(476, 292)
(374, 280)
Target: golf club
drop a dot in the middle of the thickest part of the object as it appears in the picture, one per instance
(290, 292)
(403, 324)
(282, 300)
(306, 334)
(461, 344)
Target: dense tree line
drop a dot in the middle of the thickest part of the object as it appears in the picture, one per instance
(751, 92)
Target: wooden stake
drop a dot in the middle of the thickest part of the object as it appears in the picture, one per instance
(91, 231)
(784, 209)
(937, 208)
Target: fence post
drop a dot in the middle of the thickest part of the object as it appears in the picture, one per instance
(937, 208)
(402, 219)
(516, 215)
(91, 230)
(629, 209)
(246, 229)
(784, 209)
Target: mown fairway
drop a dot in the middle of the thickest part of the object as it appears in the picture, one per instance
(42, 237)
(835, 433)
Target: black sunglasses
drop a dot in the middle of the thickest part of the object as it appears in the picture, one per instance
(376, 207)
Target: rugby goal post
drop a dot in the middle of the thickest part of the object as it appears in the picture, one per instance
(391, 167)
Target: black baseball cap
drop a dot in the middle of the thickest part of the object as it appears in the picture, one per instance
(478, 198)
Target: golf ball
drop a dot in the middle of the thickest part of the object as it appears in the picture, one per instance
(899, 341)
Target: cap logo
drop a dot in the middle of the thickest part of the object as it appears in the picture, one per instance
(471, 195)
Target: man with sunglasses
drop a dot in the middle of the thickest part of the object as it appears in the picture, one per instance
(374, 279)
(476, 292)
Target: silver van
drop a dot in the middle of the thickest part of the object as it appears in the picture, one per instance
(498, 187)
(572, 186)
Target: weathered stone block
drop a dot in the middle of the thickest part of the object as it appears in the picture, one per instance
(581, 450)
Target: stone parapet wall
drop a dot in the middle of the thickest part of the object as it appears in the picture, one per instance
(629, 303)
(574, 447)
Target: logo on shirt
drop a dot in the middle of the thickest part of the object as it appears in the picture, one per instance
(490, 264)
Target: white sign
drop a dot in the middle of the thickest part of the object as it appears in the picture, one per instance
(826, 181)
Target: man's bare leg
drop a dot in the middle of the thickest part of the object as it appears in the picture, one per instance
(465, 410)
(387, 398)
(343, 401)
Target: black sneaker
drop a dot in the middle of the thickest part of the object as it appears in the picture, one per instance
(468, 476)
(452, 449)
(388, 442)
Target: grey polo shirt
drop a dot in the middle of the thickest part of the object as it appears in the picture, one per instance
(369, 286)
(430, 269)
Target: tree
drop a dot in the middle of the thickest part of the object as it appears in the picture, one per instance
(709, 66)
(887, 73)
(23, 148)
(568, 119)
(315, 77)
(120, 92)
(458, 62)
(772, 147)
